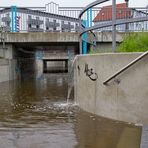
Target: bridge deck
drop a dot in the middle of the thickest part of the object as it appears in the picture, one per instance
(50, 37)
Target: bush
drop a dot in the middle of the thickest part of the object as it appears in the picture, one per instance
(134, 42)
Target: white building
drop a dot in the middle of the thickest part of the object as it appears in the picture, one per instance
(15, 19)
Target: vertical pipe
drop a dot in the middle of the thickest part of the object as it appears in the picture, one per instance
(85, 39)
(87, 18)
(113, 25)
(13, 17)
(80, 39)
(12, 20)
(91, 17)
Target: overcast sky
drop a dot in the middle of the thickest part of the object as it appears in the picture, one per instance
(69, 3)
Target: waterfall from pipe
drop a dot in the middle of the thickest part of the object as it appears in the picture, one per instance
(71, 79)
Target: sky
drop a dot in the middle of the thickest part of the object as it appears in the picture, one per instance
(67, 3)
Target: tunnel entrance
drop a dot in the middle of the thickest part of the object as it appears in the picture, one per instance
(39, 58)
(55, 66)
(26, 67)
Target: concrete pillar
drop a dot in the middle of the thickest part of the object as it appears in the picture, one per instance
(39, 68)
(8, 52)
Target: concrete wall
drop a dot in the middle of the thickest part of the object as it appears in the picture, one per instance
(125, 98)
(8, 70)
(63, 37)
(8, 52)
(104, 46)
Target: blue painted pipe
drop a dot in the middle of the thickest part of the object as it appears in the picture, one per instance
(85, 39)
(13, 18)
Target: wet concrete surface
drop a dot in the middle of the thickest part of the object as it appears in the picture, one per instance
(144, 137)
(34, 114)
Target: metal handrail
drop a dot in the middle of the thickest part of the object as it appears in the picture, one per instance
(118, 22)
(126, 67)
(97, 2)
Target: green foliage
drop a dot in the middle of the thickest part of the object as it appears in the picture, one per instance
(134, 42)
(92, 51)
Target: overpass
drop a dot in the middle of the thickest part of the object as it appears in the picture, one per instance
(56, 49)
(53, 41)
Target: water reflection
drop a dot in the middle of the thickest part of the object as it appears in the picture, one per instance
(97, 132)
(34, 113)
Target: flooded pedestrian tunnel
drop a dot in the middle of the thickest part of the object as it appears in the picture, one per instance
(35, 113)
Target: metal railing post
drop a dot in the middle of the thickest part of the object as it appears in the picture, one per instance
(114, 25)
(127, 16)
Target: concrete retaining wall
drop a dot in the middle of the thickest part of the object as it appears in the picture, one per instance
(8, 70)
(125, 98)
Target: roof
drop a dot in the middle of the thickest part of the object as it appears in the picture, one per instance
(105, 14)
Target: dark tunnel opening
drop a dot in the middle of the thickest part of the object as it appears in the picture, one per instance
(35, 60)
(55, 66)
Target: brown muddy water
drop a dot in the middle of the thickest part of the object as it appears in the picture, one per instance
(34, 114)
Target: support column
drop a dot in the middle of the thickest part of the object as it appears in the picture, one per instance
(113, 25)
(127, 16)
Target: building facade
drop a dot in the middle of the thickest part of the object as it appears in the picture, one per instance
(105, 16)
(16, 19)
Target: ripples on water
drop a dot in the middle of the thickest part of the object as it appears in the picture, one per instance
(34, 114)
(27, 103)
